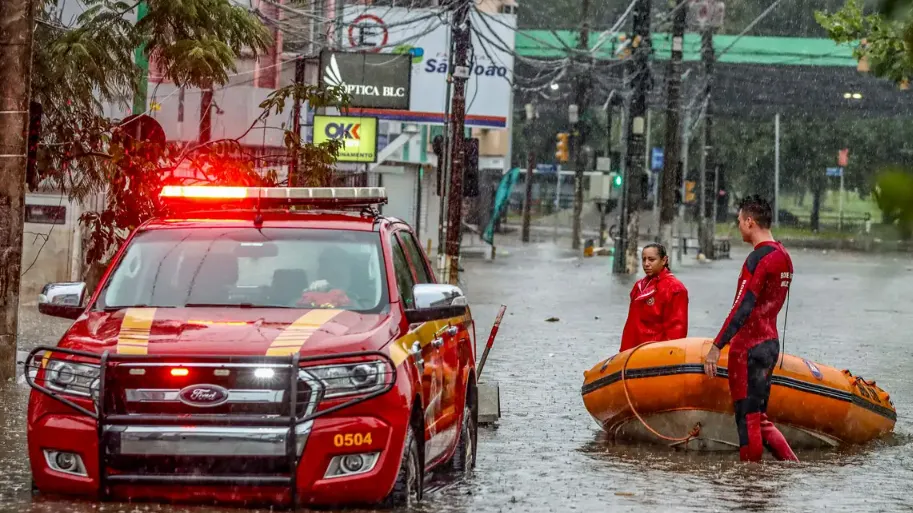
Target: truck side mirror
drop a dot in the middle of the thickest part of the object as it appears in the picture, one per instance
(436, 302)
(66, 300)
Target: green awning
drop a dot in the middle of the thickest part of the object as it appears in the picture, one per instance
(547, 44)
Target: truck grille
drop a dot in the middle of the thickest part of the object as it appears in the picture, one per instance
(218, 420)
(245, 390)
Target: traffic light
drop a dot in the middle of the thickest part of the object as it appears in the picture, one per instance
(471, 168)
(561, 147)
(689, 191)
(616, 180)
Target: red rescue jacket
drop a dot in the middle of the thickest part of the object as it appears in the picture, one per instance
(658, 312)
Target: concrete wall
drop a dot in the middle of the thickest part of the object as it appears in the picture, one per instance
(50, 252)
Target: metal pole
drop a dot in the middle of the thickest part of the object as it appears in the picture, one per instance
(557, 200)
(705, 232)
(460, 24)
(702, 209)
(418, 203)
(579, 132)
(528, 197)
(648, 168)
(530, 167)
(619, 263)
(840, 201)
(777, 169)
(674, 133)
(715, 198)
(444, 167)
(640, 80)
(686, 144)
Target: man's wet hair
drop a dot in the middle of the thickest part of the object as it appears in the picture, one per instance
(758, 209)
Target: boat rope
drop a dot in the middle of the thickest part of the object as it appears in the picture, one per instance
(785, 320)
(695, 431)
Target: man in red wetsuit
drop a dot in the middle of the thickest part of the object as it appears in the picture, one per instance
(751, 331)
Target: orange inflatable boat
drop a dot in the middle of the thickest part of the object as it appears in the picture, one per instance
(658, 392)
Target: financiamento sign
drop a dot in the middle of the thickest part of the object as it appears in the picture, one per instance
(358, 136)
(373, 80)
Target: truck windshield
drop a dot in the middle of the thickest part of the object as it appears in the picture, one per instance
(246, 267)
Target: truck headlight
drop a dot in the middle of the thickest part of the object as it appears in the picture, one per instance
(351, 379)
(72, 378)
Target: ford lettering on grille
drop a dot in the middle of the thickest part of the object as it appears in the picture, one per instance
(203, 396)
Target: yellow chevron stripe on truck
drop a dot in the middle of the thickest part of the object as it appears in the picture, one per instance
(134, 331)
(291, 340)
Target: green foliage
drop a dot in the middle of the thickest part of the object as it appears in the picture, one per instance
(317, 159)
(196, 43)
(888, 42)
(894, 194)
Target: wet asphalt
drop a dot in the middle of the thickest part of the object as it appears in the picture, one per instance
(547, 454)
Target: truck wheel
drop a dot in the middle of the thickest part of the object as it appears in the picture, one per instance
(464, 458)
(409, 485)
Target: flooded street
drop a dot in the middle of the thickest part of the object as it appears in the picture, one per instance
(547, 454)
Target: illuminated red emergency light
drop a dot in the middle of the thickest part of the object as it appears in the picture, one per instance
(175, 191)
(267, 196)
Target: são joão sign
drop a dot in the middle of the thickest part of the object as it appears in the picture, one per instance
(358, 136)
(373, 80)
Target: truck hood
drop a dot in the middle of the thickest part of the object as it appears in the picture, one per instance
(229, 331)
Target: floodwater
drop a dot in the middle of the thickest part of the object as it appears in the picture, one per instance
(547, 454)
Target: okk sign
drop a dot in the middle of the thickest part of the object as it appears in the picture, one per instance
(358, 136)
(421, 34)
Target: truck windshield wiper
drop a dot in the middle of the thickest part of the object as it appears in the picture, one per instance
(217, 305)
(121, 307)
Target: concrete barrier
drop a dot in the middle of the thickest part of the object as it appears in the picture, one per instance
(489, 402)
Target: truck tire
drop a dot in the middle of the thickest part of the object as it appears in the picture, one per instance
(409, 485)
(464, 458)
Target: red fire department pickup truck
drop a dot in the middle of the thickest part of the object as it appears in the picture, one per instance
(248, 350)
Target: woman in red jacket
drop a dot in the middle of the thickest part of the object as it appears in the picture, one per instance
(659, 303)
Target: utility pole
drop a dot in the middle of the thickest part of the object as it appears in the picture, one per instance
(531, 139)
(776, 218)
(686, 145)
(206, 114)
(706, 227)
(626, 260)
(294, 180)
(16, 27)
(444, 163)
(462, 41)
(139, 99)
(672, 151)
(579, 132)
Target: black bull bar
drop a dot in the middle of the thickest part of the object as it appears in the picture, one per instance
(292, 363)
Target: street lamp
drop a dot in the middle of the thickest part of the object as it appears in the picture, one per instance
(554, 87)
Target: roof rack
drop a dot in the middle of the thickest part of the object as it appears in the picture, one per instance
(221, 197)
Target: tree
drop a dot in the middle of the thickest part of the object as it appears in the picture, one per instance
(885, 43)
(79, 69)
(894, 194)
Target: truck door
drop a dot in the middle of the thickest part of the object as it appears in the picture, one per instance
(448, 364)
(432, 374)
